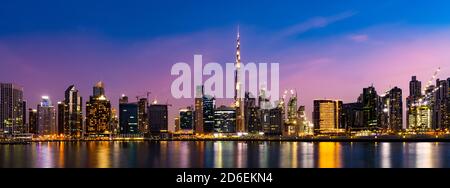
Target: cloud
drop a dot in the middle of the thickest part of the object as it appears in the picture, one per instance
(314, 23)
(359, 38)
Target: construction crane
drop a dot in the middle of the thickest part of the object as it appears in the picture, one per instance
(147, 94)
(426, 96)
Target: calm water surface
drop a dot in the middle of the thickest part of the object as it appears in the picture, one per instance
(225, 154)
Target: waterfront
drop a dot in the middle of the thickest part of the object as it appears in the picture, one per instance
(225, 154)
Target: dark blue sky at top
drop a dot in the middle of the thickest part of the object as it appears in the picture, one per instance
(132, 20)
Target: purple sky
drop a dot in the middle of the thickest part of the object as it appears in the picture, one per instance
(334, 66)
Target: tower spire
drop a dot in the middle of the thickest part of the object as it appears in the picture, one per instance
(238, 87)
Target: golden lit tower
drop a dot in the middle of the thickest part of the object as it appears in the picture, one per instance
(238, 87)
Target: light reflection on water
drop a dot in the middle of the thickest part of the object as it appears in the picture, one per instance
(226, 155)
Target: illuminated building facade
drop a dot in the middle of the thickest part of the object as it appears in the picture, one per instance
(391, 113)
(225, 120)
(250, 115)
(209, 104)
(98, 113)
(327, 115)
(352, 116)
(371, 108)
(11, 108)
(128, 118)
(73, 113)
(186, 119)
(46, 117)
(240, 119)
(198, 111)
(142, 115)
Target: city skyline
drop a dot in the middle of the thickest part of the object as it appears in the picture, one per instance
(337, 47)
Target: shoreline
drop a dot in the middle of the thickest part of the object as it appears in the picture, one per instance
(371, 139)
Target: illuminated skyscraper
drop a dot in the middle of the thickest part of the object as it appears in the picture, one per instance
(240, 120)
(186, 119)
(371, 108)
(292, 123)
(142, 115)
(73, 113)
(327, 115)
(198, 111)
(128, 117)
(11, 108)
(249, 110)
(225, 120)
(98, 113)
(441, 114)
(209, 104)
(46, 117)
(391, 113)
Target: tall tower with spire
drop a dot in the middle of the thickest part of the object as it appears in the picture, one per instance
(238, 88)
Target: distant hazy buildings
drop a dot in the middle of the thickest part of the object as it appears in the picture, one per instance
(98, 113)
(46, 114)
(11, 108)
(327, 116)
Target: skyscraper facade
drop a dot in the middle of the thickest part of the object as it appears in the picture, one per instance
(249, 107)
(32, 121)
(142, 115)
(73, 113)
(11, 108)
(186, 119)
(370, 100)
(98, 113)
(158, 118)
(327, 115)
(128, 118)
(240, 119)
(198, 111)
(60, 117)
(209, 104)
(46, 114)
(225, 120)
(391, 113)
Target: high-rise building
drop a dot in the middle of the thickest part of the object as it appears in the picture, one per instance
(46, 114)
(186, 119)
(157, 117)
(292, 121)
(11, 108)
(209, 104)
(60, 120)
(276, 121)
(249, 106)
(73, 113)
(24, 128)
(128, 117)
(225, 120)
(370, 100)
(415, 87)
(198, 111)
(327, 116)
(352, 116)
(441, 114)
(391, 113)
(32, 121)
(98, 113)
(240, 119)
(142, 115)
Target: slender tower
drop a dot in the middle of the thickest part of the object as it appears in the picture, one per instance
(238, 88)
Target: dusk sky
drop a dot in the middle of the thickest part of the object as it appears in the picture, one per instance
(326, 49)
